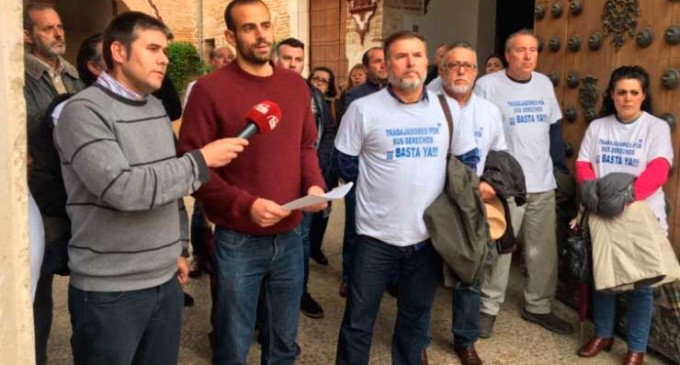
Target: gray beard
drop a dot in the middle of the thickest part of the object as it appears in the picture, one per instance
(458, 90)
(50, 52)
(407, 85)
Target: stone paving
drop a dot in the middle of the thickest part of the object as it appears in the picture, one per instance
(514, 341)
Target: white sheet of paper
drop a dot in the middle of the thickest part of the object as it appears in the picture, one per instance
(308, 200)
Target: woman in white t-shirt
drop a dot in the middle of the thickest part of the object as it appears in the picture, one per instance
(627, 138)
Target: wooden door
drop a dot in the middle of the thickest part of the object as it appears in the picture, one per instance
(561, 22)
(586, 63)
(327, 36)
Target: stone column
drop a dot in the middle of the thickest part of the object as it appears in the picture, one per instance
(298, 11)
(16, 313)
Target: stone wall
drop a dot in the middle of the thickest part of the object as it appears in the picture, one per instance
(214, 24)
(16, 311)
(184, 17)
(393, 17)
(180, 15)
(374, 37)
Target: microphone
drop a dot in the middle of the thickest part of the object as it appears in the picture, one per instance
(261, 118)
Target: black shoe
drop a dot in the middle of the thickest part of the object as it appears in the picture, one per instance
(309, 307)
(486, 322)
(549, 321)
(393, 288)
(320, 258)
(188, 300)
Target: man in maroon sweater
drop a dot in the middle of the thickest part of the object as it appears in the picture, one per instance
(258, 242)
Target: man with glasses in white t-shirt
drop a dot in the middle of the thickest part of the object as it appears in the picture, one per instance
(457, 74)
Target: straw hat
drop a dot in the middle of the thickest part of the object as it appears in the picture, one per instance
(495, 217)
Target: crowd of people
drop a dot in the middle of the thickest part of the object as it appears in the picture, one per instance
(109, 176)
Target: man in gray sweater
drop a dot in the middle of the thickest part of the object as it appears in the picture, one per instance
(124, 180)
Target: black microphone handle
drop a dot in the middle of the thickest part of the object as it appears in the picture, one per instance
(249, 131)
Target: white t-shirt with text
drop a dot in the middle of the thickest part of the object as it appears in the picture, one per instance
(402, 152)
(612, 146)
(487, 124)
(528, 110)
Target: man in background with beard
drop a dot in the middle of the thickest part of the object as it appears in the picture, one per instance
(258, 243)
(46, 75)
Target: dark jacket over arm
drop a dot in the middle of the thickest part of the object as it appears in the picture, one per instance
(345, 166)
(170, 99)
(557, 148)
(504, 174)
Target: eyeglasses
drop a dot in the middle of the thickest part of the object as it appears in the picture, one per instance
(320, 79)
(455, 66)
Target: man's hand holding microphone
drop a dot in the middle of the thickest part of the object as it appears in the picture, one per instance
(260, 119)
(220, 152)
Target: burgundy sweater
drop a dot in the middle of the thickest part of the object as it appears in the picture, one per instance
(280, 165)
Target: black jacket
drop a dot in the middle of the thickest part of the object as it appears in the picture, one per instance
(45, 181)
(608, 195)
(357, 92)
(326, 129)
(170, 99)
(505, 175)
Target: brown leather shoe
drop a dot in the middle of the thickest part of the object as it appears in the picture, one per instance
(594, 346)
(423, 358)
(634, 358)
(468, 355)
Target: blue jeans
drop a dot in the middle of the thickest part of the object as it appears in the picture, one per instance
(244, 264)
(130, 327)
(640, 307)
(306, 227)
(419, 275)
(465, 309)
(350, 234)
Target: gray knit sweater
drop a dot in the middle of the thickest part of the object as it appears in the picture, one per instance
(123, 181)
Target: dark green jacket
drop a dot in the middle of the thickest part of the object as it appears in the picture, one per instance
(456, 221)
(39, 91)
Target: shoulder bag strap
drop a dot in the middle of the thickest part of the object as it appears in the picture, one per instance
(449, 118)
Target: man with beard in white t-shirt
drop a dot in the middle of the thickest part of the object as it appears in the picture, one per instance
(457, 72)
(531, 116)
(400, 138)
